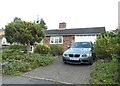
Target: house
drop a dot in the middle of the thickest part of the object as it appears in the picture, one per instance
(1, 33)
(65, 37)
(3, 40)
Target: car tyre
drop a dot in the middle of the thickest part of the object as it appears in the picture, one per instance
(64, 61)
(91, 62)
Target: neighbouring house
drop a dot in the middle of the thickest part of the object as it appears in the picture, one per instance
(3, 40)
(65, 37)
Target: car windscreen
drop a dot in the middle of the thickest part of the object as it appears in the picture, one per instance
(81, 45)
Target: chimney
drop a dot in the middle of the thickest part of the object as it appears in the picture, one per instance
(62, 25)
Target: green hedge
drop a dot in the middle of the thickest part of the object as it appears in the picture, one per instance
(42, 49)
(56, 50)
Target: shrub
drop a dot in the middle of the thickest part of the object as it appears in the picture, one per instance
(42, 49)
(117, 50)
(17, 47)
(107, 46)
(0, 55)
(10, 54)
(104, 46)
(15, 68)
(104, 72)
(56, 50)
(0, 59)
(24, 63)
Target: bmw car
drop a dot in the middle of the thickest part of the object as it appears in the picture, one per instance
(79, 52)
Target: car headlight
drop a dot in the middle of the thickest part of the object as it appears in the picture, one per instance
(65, 55)
(86, 55)
(90, 54)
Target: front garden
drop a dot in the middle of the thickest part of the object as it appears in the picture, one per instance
(18, 59)
(19, 62)
(107, 68)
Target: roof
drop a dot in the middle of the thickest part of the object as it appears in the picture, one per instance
(75, 31)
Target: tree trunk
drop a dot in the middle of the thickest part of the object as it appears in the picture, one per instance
(28, 48)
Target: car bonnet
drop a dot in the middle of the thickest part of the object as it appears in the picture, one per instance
(78, 51)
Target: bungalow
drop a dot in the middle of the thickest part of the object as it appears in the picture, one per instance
(65, 37)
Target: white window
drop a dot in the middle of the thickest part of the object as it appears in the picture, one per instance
(56, 40)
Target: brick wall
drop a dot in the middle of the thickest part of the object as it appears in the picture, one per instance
(62, 25)
(67, 40)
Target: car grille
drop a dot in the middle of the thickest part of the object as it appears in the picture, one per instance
(74, 55)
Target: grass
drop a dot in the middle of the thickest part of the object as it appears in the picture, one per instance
(104, 72)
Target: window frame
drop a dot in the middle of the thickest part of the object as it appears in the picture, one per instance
(54, 38)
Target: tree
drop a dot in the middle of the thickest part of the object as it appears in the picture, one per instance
(24, 32)
(9, 32)
(16, 18)
(43, 24)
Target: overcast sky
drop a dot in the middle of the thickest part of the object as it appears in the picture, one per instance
(76, 13)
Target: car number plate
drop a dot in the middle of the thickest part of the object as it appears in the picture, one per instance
(74, 58)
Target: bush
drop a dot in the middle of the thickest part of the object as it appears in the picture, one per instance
(104, 72)
(17, 47)
(56, 50)
(0, 55)
(42, 49)
(10, 54)
(19, 63)
(0, 59)
(104, 46)
(15, 68)
(117, 50)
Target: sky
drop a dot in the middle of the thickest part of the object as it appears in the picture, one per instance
(76, 13)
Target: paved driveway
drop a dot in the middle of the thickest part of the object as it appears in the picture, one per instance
(74, 74)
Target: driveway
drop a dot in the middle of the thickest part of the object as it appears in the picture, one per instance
(63, 73)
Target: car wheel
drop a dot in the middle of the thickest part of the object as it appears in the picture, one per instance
(91, 62)
(94, 56)
(64, 61)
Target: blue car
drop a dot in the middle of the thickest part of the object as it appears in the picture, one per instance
(79, 52)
